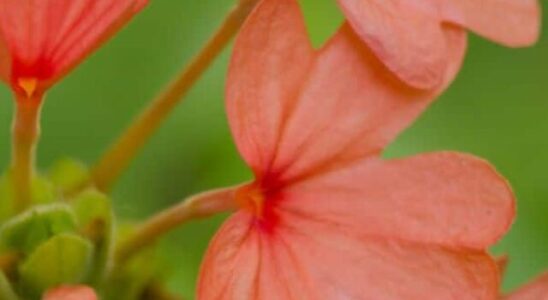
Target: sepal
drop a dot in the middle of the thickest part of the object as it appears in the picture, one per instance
(65, 258)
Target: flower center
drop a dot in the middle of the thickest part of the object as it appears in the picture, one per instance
(251, 197)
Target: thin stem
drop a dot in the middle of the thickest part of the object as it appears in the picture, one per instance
(195, 207)
(117, 158)
(25, 134)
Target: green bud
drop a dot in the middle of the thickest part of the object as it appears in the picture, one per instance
(63, 259)
(27, 230)
(95, 220)
(67, 173)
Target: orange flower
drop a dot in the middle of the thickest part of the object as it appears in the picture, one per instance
(77, 292)
(409, 35)
(40, 41)
(326, 217)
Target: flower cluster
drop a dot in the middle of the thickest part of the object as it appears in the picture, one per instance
(325, 216)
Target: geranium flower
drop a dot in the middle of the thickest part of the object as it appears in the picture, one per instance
(77, 292)
(409, 35)
(40, 41)
(326, 217)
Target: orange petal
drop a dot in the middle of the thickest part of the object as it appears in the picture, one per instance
(269, 63)
(309, 259)
(514, 23)
(46, 39)
(77, 292)
(231, 263)
(409, 41)
(536, 290)
(292, 111)
(444, 198)
(407, 35)
(350, 108)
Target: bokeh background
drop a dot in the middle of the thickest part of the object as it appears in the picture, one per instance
(496, 109)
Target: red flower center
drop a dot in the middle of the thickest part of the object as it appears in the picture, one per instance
(256, 200)
(28, 78)
(251, 197)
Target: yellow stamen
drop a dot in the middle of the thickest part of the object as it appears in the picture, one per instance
(28, 84)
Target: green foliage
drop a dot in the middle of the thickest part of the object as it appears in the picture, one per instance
(95, 220)
(43, 192)
(24, 232)
(128, 282)
(6, 290)
(60, 242)
(67, 173)
(65, 258)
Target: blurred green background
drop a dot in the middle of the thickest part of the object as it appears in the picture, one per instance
(497, 109)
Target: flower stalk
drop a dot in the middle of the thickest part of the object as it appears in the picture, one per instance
(25, 134)
(195, 207)
(116, 159)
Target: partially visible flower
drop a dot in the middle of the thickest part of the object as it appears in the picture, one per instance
(326, 217)
(535, 290)
(409, 35)
(40, 41)
(77, 292)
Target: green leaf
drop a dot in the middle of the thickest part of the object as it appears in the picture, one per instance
(6, 290)
(90, 206)
(29, 229)
(63, 259)
(68, 173)
(95, 218)
(43, 191)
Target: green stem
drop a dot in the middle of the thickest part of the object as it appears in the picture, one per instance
(195, 207)
(25, 134)
(116, 159)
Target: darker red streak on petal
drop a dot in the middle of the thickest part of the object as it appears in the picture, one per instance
(259, 199)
